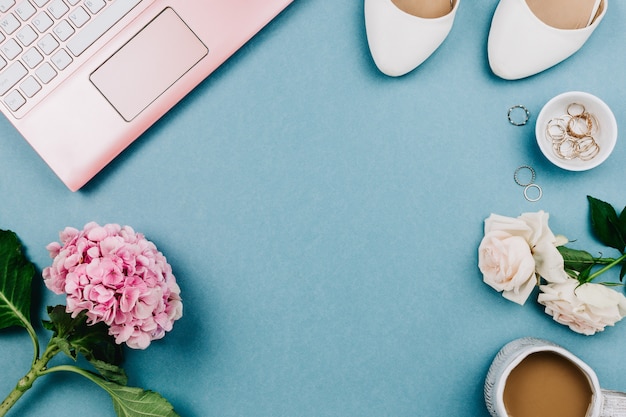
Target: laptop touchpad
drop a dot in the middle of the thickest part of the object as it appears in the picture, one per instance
(148, 64)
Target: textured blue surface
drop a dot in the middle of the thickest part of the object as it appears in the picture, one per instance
(323, 223)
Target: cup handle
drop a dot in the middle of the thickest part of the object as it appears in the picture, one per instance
(614, 404)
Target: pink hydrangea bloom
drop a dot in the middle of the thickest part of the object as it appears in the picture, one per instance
(119, 277)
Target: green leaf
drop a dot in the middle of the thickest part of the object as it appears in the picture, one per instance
(584, 275)
(611, 284)
(127, 401)
(605, 224)
(61, 322)
(136, 402)
(110, 372)
(578, 263)
(133, 402)
(74, 336)
(576, 260)
(622, 222)
(16, 275)
(622, 272)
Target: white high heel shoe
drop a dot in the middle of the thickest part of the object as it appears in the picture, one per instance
(403, 33)
(530, 36)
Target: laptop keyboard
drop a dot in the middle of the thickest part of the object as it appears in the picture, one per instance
(39, 39)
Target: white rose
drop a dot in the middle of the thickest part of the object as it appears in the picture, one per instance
(533, 227)
(586, 309)
(507, 265)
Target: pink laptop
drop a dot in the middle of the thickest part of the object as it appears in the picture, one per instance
(82, 79)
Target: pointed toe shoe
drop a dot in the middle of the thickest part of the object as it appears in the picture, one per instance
(520, 44)
(400, 41)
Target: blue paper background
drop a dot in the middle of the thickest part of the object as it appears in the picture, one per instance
(323, 220)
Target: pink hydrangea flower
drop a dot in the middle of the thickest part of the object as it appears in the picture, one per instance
(119, 277)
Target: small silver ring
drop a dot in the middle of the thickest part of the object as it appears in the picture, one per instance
(532, 200)
(532, 174)
(515, 122)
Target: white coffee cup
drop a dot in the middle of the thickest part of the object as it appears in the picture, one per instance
(603, 403)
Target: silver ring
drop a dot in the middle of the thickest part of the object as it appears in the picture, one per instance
(532, 175)
(515, 122)
(532, 200)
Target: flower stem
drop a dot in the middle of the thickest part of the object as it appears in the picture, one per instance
(37, 369)
(606, 267)
(76, 370)
(80, 371)
(33, 336)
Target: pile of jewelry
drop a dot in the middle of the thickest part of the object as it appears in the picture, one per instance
(572, 135)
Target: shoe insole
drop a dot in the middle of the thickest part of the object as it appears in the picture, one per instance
(425, 8)
(566, 14)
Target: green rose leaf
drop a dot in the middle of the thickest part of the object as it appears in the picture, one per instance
(16, 275)
(622, 222)
(576, 261)
(585, 275)
(74, 336)
(606, 225)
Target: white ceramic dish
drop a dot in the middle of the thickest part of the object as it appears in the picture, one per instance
(605, 136)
